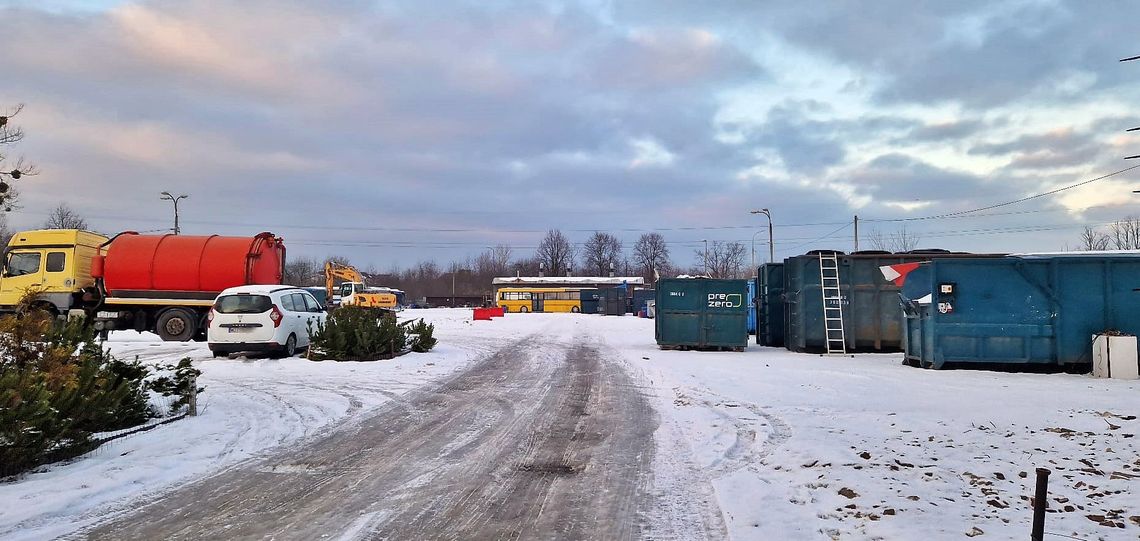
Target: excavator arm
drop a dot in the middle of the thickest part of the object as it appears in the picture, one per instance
(344, 272)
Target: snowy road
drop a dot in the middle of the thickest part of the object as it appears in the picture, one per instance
(541, 439)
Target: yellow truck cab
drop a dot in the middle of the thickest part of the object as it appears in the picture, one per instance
(55, 261)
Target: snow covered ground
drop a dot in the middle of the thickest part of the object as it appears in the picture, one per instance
(800, 446)
(780, 445)
(250, 408)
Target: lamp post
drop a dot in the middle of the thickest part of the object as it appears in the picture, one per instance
(166, 196)
(754, 250)
(771, 246)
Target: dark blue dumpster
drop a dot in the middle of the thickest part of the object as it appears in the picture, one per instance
(1018, 309)
(751, 307)
(770, 305)
(640, 296)
(589, 298)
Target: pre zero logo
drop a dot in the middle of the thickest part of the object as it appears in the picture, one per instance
(725, 300)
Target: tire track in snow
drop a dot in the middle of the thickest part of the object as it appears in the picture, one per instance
(554, 441)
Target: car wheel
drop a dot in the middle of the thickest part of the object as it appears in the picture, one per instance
(219, 354)
(291, 345)
(176, 325)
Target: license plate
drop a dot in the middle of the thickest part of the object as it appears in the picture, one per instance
(107, 315)
(240, 329)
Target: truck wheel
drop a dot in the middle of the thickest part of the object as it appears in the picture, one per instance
(176, 325)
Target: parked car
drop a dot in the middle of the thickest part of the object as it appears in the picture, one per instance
(259, 318)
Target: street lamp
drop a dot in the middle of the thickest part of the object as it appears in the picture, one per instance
(166, 196)
(771, 246)
(754, 269)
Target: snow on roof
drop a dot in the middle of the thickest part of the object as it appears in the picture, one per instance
(576, 280)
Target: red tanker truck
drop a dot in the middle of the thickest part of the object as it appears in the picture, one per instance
(167, 283)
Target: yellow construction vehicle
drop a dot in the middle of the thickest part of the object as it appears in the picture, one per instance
(353, 291)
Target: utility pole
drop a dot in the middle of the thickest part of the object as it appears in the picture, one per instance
(856, 232)
(166, 196)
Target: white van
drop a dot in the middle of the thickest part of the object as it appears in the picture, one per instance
(273, 319)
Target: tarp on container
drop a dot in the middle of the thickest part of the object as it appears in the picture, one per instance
(1019, 310)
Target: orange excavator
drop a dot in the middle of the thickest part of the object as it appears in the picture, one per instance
(353, 291)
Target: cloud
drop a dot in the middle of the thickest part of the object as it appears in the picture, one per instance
(497, 117)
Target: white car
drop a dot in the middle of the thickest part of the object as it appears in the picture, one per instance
(272, 319)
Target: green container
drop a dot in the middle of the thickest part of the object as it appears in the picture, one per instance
(702, 313)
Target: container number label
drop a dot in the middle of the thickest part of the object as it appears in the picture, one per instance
(725, 300)
(676, 293)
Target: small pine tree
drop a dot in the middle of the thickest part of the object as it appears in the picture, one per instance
(57, 387)
(423, 341)
(358, 333)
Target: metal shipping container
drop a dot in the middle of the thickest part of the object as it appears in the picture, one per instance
(751, 306)
(613, 301)
(1019, 309)
(770, 305)
(639, 298)
(872, 316)
(589, 298)
(702, 313)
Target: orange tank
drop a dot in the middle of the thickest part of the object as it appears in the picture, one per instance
(182, 266)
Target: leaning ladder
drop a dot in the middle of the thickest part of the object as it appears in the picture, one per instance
(836, 340)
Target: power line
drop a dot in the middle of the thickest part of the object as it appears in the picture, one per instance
(1015, 201)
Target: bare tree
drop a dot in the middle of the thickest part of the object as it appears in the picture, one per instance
(724, 259)
(5, 232)
(1093, 240)
(64, 217)
(303, 271)
(555, 254)
(601, 254)
(496, 261)
(650, 253)
(898, 241)
(11, 134)
(1125, 234)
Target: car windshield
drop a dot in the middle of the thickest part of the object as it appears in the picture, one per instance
(243, 304)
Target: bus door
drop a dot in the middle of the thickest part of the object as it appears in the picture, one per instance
(536, 302)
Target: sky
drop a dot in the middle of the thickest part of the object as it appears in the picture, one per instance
(392, 132)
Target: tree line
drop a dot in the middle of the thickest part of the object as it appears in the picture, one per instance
(600, 255)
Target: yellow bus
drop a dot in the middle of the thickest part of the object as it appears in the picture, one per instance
(539, 299)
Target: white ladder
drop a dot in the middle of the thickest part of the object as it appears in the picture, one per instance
(834, 337)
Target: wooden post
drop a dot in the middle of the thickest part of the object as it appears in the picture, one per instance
(192, 397)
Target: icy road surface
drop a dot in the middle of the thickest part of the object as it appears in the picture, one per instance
(544, 438)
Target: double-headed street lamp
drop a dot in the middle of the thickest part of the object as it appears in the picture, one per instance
(771, 246)
(166, 196)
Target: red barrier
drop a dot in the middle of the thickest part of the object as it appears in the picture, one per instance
(496, 311)
(481, 314)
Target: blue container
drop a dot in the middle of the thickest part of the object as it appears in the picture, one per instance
(1018, 309)
(640, 296)
(589, 298)
(751, 307)
(769, 311)
(872, 319)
